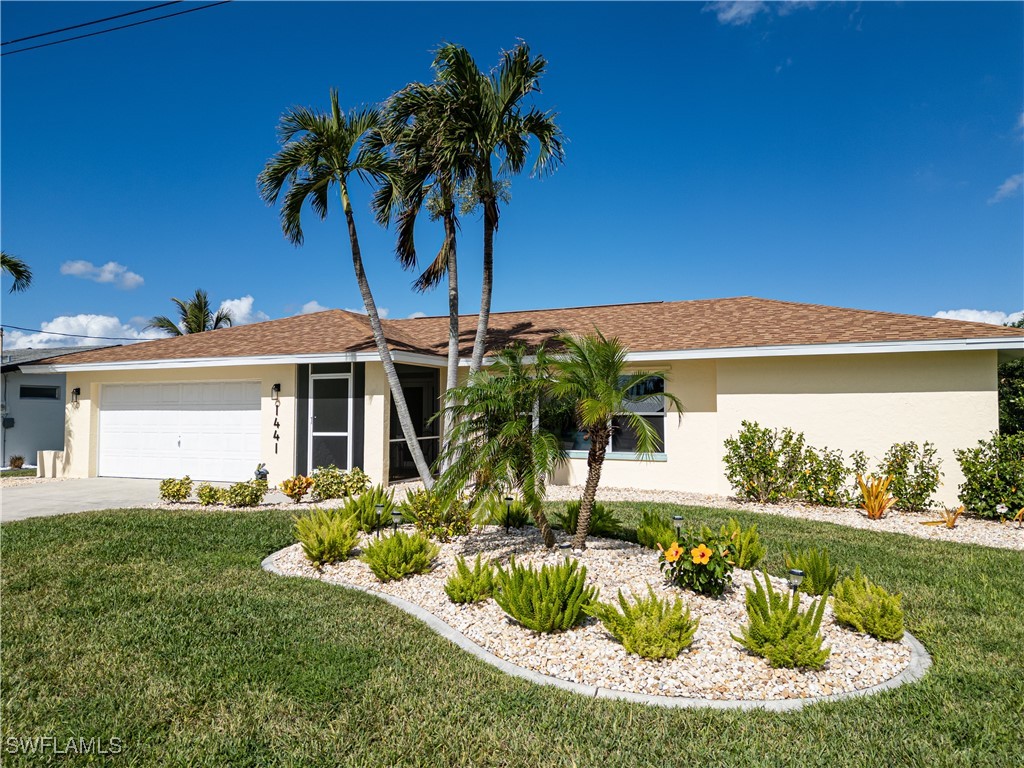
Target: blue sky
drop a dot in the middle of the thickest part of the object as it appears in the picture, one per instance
(864, 155)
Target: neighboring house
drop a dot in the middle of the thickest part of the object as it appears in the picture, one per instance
(33, 406)
(306, 391)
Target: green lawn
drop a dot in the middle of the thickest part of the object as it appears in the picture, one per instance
(19, 473)
(159, 628)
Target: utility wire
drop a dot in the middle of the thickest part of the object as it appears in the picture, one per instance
(88, 23)
(73, 335)
(114, 29)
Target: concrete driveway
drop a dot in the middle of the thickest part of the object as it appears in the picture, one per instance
(59, 497)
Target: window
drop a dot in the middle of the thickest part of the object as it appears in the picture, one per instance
(623, 437)
(39, 393)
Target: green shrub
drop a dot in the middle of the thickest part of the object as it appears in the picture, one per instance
(993, 475)
(247, 494)
(698, 562)
(915, 475)
(655, 531)
(494, 511)
(364, 508)
(822, 477)
(296, 487)
(208, 495)
(399, 555)
(333, 483)
(551, 599)
(867, 607)
(176, 490)
(762, 464)
(326, 536)
(745, 548)
(603, 522)
(470, 586)
(436, 515)
(819, 574)
(649, 627)
(779, 631)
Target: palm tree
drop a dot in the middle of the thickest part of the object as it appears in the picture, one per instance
(496, 440)
(484, 119)
(592, 373)
(319, 152)
(17, 269)
(195, 315)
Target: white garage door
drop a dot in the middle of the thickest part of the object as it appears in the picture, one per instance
(208, 430)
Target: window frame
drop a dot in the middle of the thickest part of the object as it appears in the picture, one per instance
(615, 455)
(54, 387)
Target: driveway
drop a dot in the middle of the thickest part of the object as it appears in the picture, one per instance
(59, 497)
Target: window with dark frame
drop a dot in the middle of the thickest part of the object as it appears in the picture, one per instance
(38, 392)
(623, 438)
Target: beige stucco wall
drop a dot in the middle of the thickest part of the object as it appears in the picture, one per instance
(849, 402)
(377, 417)
(81, 426)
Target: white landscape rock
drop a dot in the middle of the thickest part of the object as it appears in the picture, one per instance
(714, 667)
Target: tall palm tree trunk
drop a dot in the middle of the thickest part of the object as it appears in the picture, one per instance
(595, 461)
(490, 224)
(404, 419)
(542, 523)
(452, 380)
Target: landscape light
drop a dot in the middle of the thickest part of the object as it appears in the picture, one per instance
(795, 577)
(380, 513)
(396, 518)
(678, 520)
(508, 513)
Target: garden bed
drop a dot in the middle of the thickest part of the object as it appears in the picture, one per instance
(714, 667)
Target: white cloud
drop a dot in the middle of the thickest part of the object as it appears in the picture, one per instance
(312, 306)
(80, 326)
(414, 315)
(736, 12)
(991, 316)
(111, 272)
(242, 312)
(382, 311)
(1007, 189)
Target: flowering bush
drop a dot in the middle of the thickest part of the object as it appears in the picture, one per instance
(701, 563)
(915, 474)
(993, 476)
(764, 464)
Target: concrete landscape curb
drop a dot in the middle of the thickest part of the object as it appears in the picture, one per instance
(920, 661)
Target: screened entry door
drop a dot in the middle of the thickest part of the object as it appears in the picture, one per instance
(330, 421)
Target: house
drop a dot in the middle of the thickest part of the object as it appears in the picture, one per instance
(306, 391)
(32, 406)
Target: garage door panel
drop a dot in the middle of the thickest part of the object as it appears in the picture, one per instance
(207, 430)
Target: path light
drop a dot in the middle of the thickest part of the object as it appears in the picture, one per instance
(508, 513)
(678, 520)
(380, 513)
(396, 518)
(795, 577)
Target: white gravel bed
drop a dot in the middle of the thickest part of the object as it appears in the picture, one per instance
(969, 530)
(13, 482)
(714, 667)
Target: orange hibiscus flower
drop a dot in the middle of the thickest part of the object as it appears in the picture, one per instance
(673, 553)
(701, 555)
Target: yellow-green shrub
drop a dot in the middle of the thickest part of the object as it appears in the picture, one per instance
(649, 626)
(551, 599)
(399, 555)
(470, 586)
(295, 487)
(326, 536)
(867, 607)
(176, 490)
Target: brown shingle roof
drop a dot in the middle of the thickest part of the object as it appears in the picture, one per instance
(646, 327)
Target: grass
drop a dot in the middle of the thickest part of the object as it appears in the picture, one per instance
(18, 473)
(159, 628)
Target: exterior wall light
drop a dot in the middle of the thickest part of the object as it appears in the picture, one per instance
(275, 392)
(75, 394)
(795, 577)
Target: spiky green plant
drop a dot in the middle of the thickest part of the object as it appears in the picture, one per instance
(399, 555)
(326, 536)
(648, 626)
(551, 599)
(866, 607)
(779, 631)
(364, 508)
(493, 510)
(603, 521)
(470, 586)
(746, 547)
(655, 530)
(819, 574)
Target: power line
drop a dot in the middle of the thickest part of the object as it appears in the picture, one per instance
(114, 29)
(88, 23)
(73, 335)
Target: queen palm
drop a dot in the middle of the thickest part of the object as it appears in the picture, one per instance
(496, 440)
(195, 315)
(17, 269)
(485, 121)
(592, 373)
(320, 152)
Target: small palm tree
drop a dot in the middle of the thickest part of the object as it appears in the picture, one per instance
(593, 375)
(195, 315)
(496, 439)
(17, 269)
(321, 152)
